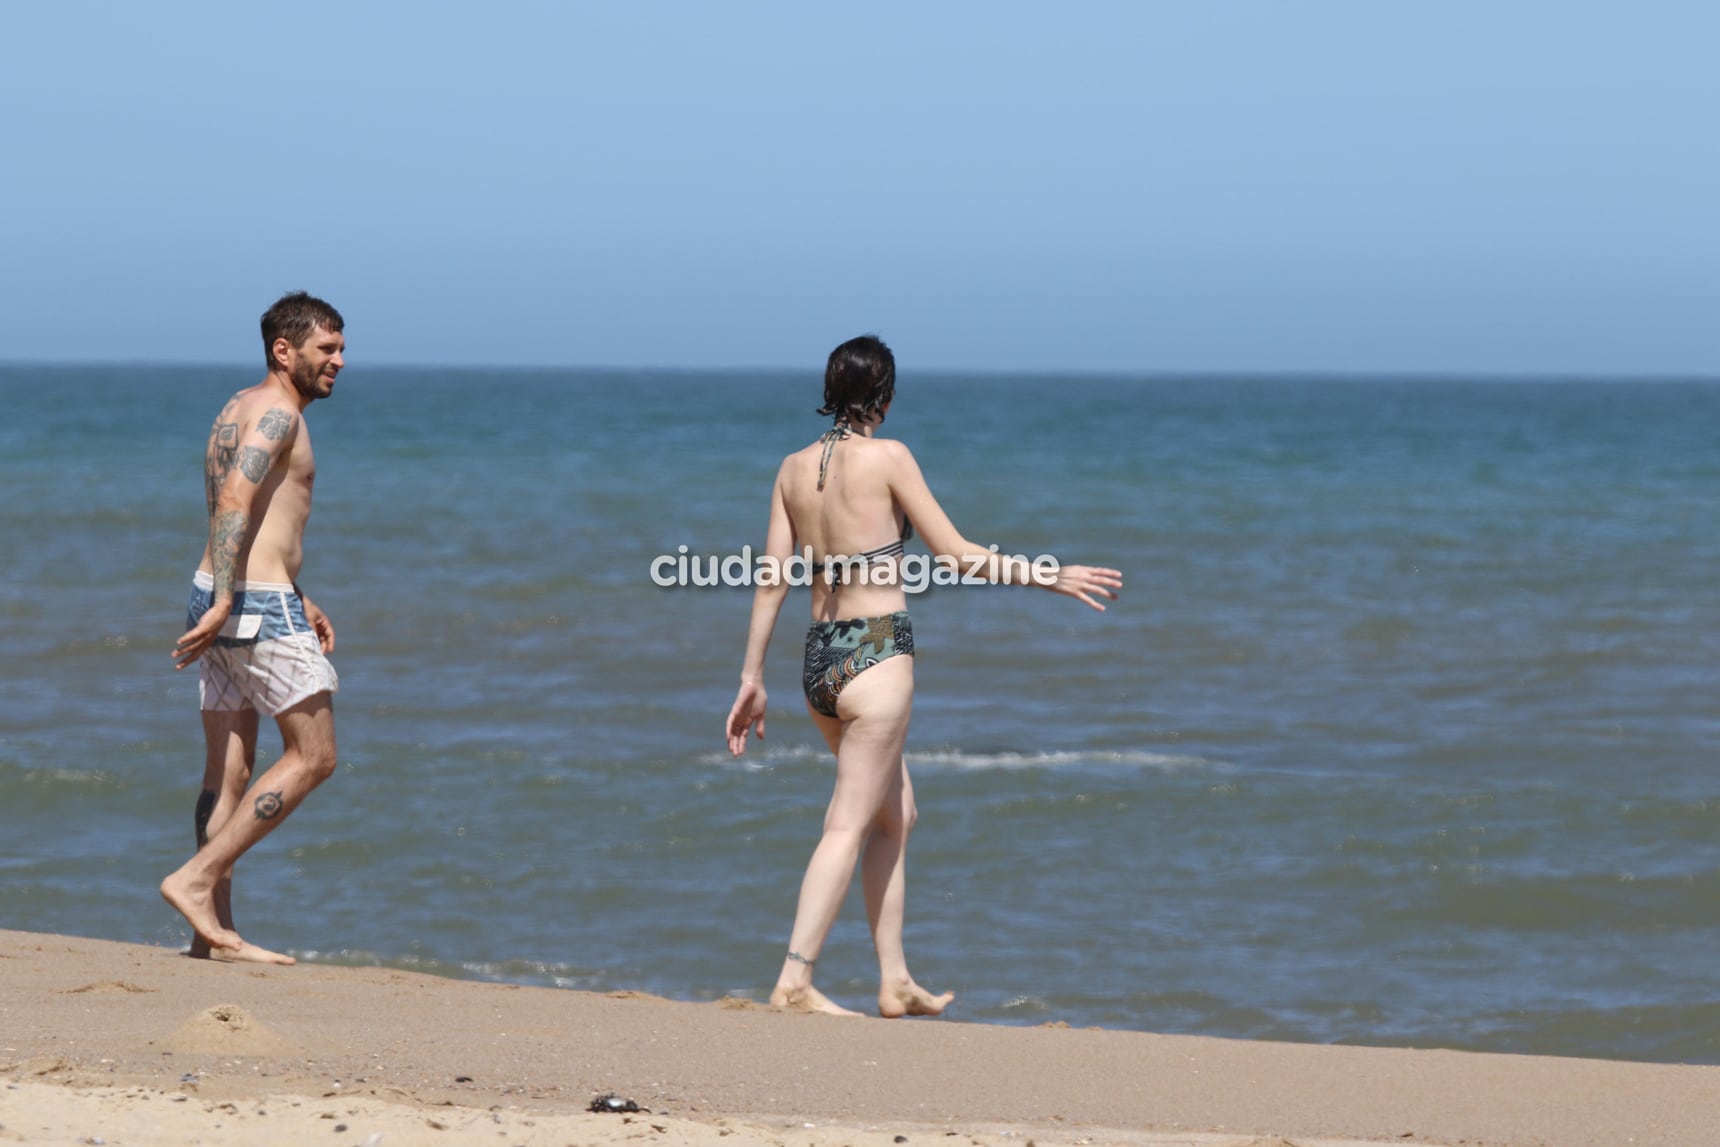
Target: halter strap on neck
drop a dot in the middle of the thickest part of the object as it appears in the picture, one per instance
(830, 438)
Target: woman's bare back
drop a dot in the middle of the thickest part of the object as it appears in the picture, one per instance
(854, 513)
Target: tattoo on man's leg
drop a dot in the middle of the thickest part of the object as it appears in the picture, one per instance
(793, 955)
(205, 810)
(268, 806)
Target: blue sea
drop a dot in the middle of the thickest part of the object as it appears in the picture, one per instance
(1404, 731)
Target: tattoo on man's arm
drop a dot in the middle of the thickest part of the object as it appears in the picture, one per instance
(226, 537)
(218, 459)
(205, 810)
(274, 424)
(254, 463)
(268, 806)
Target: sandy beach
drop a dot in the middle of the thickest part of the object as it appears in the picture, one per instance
(118, 1044)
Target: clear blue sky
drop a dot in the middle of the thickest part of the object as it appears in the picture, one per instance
(1364, 186)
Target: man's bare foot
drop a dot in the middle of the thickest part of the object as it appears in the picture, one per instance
(910, 999)
(249, 953)
(245, 953)
(807, 999)
(198, 908)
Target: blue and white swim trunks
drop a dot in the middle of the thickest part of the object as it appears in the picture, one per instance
(267, 656)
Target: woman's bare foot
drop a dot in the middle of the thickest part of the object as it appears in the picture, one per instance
(198, 908)
(807, 999)
(909, 999)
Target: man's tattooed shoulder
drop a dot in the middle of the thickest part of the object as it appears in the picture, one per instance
(276, 423)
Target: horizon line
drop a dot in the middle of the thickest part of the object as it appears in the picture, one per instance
(1343, 374)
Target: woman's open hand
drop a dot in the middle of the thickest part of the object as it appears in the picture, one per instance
(1085, 583)
(748, 712)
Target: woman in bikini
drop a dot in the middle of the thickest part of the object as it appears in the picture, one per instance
(850, 493)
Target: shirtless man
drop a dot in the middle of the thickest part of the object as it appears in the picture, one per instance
(261, 641)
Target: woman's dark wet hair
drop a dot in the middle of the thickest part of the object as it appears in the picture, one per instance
(859, 380)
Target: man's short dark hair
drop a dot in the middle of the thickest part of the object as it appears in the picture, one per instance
(295, 317)
(859, 379)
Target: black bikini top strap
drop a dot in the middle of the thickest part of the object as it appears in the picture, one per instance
(884, 552)
(839, 431)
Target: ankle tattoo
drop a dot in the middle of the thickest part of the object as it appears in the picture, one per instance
(798, 958)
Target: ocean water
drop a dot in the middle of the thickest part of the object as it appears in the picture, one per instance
(1403, 733)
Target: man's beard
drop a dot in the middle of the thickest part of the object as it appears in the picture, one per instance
(304, 379)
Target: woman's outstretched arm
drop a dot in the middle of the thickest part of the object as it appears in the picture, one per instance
(908, 486)
(748, 709)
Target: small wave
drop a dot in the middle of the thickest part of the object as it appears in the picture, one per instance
(24, 775)
(963, 759)
(534, 971)
(960, 759)
(754, 759)
(500, 971)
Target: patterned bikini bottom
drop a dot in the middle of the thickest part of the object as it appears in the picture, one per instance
(839, 651)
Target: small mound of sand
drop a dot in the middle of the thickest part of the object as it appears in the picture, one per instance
(108, 986)
(740, 1004)
(226, 1029)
